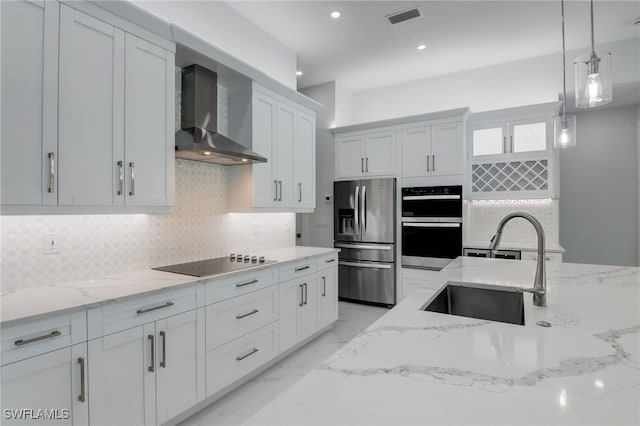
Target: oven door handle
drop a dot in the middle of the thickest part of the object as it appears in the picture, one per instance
(430, 197)
(366, 265)
(430, 225)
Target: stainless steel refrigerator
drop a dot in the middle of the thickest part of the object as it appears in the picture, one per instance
(365, 232)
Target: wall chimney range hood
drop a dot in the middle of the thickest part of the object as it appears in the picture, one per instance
(199, 139)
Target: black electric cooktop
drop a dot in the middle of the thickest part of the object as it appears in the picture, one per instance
(220, 265)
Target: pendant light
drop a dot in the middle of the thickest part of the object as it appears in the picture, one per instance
(564, 126)
(593, 76)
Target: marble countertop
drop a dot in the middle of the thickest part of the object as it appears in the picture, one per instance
(549, 246)
(417, 367)
(34, 302)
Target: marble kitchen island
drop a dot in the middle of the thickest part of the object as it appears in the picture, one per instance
(417, 367)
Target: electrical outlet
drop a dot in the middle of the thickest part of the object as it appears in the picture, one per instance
(50, 244)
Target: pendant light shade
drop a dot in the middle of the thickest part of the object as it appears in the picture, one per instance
(593, 76)
(564, 129)
(593, 80)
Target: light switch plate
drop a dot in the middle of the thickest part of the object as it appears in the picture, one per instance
(50, 244)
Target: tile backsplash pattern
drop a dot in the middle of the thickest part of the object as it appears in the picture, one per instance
(93, 246)
(483, 219)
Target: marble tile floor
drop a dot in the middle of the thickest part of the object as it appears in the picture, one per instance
(242, 403)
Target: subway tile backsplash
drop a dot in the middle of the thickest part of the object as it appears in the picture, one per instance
(97, 245)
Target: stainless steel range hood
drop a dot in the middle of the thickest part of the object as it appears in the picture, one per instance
(199, 139)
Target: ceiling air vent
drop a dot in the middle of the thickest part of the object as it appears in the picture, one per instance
(405, 15)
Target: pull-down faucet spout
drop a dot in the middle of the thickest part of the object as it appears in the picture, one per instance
(539, 289)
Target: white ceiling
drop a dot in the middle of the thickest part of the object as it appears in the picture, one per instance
(362, 50)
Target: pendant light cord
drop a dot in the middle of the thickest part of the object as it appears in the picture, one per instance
(564, 61)
(593, 48)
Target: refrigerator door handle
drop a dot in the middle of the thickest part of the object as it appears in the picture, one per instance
(357, 204)
(363, 209)
(366, 265)
(364, 246)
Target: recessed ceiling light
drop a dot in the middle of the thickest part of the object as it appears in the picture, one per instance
(421, 46)
(335, 14)
(298, 73)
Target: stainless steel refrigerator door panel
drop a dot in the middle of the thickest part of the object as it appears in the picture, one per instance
(369, 282)
(347, 214)
(378, 204)
(366, 251)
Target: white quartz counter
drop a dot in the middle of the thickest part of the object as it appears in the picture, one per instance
(34, 302)
(417, 367)
(549, 246)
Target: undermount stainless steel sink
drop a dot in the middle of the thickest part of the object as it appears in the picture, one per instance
(481, 301)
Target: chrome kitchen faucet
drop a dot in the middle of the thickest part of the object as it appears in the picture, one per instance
(539, 289)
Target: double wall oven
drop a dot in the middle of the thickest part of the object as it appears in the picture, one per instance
(431, 226)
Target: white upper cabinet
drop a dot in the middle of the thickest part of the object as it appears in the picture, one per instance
(148, 124)
(93, 108)
(370, 153)
(432, 150)
(29, 102)
(284, 133)
(511, 153)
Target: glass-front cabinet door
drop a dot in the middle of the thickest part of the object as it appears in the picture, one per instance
(494, 140)
(529, 136)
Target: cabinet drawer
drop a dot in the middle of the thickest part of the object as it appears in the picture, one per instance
(237, 285)
(130, 313)
(293, 270)
(549, 257)
(33, 338)
(230, 362)
(327, 261)
(236, 317)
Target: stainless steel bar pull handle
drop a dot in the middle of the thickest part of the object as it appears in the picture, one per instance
(246, 283)
(21, 342)
(132, 189)
(367, 168)
(301, 303)
(324, 286)
(248, 314)
(306, 293)
(253, 351)
(433, 162)
(363, 209)
(330, 260)
(81, 397)
(52, 172)
(280, 185)
(356, 202)
(362, 164)
(144, 311)
(120, 177)
(299, 192)
(163, 363)
(302, 268)
(275, 184)
(511, 142)
(153, 353)
(428, 163)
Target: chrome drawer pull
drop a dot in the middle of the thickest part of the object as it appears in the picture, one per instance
(302, 268)
(132, 190)
(306, 292)
(247, 283)
(144, 311)
(275, 198)
(324, 286)
(301, 303)
(248, 314)
(52, 172)
(253, 351)
(81, 397)
(153, 353)
(330, 260)
(163, 363)
(21, 342)
(120, 165)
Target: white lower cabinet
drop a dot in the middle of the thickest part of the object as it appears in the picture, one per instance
(52, 385)
(146, 374)
(298, 310)
(327, 296)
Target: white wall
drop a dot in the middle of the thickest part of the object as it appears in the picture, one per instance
(99, 245)
(599, 189)
(531, 81)
(317, 227)
(223, 27)
(344, 106)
